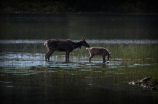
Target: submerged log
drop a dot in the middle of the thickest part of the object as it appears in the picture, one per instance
(145, 83)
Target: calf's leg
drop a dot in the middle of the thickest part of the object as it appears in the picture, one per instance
(104, 59)
(90, 57)
(108, 56)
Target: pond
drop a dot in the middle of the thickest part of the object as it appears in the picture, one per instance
(25, 76)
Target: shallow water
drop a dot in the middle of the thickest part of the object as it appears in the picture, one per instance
(25, 76)
(13, 60)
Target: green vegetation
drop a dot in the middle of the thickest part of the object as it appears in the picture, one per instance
(134, 53)
(153, 73)
(127, 52)
(86, 6)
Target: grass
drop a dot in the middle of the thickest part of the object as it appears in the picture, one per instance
(132, 52)
(135, 53)
(153, 73)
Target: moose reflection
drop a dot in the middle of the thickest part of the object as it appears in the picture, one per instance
(62, 45)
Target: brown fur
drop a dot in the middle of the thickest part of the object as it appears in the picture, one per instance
(98, 51)
(63, 46)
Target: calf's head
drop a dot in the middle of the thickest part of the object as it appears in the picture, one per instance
(84, 43)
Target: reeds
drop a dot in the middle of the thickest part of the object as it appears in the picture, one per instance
(153, 73)
(136, 53)
(130, 52)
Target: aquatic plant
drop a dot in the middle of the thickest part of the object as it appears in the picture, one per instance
(153, 73)
(25, 47)
(128, 52)
(135, 53)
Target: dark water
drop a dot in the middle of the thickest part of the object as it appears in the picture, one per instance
(74, 26)
(51, 87)
(25, 76)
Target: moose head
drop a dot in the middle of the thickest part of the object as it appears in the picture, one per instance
(84, 43)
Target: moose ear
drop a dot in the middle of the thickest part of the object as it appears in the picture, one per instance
(82, 39)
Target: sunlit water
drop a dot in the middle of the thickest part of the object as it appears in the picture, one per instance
(27, 78)
(100, 41)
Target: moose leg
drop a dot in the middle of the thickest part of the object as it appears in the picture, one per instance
(90, 58)
(67, 57)
(104, 59)
(49, 55)
(46, 55)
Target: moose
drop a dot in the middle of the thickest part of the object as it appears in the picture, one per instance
(98, 51)
(62, 45)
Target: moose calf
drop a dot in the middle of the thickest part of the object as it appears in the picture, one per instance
(63, 46)
(98, 51)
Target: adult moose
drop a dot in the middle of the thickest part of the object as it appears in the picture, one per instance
(63, 46)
